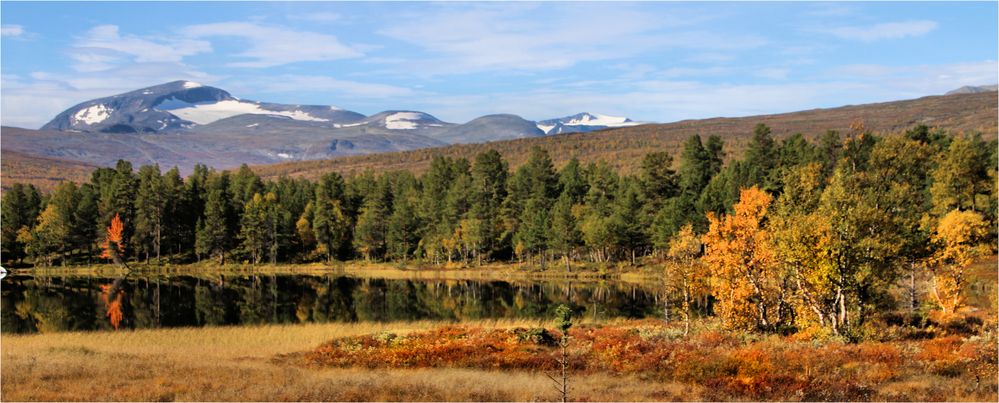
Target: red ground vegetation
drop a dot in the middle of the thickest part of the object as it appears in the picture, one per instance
(728, 365)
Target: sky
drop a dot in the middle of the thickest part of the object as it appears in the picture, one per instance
(650, 61)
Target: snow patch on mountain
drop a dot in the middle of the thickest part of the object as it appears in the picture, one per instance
(192, 84)
(93, 114)
(590, 119)
(403, 120)
(545, 128)
(205, 113)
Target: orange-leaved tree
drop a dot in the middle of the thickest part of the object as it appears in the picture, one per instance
(114, 245)
(959, 237)
(745, 279)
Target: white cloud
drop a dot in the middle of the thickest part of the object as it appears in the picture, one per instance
(11, 30)
(274, 46)
(509, 37)
(103, 46)
(888, 30)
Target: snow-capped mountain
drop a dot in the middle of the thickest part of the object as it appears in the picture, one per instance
(402, 120)
(180, 105)
(583, 122)
(210, 125)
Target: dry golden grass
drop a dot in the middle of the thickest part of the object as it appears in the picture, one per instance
(238, 364)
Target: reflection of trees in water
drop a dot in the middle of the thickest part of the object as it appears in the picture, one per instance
(51, 304)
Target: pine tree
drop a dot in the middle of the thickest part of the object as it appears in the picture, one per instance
(659, 183)
(695, 168)
(404, 225)
(572, 181)
(254, 232)
(626, 222)
(761, 158)
(215, 234)
(150, 210)
(565, 235)
(533, 232)
(488, 190)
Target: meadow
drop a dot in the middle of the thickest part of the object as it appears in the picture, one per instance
(898, 356)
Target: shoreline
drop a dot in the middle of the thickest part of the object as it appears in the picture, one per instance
(646, 275)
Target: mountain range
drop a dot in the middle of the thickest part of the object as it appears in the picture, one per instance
(183, 123)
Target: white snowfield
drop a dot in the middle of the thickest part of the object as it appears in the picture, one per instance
(545, 128)
(600, 120)
(203, 114)
(191, 84)
(93, 114)
(403, 120)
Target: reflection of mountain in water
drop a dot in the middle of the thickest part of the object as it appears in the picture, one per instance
(50, 304)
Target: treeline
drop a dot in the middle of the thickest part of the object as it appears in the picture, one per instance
(859, 208)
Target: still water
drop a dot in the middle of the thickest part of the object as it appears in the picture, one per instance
(53, 304)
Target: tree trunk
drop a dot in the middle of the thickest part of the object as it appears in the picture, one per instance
(159, 239)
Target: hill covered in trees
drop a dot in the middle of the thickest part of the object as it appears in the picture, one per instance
(44, 173)
(624, 148)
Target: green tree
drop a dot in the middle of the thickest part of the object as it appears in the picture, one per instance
(258, 230)
(372, 222)
(20, 207)
(404, 225)
(488, 190)
(214, 235)
(761, 159)
(150, 211)
(961, 179)
(565, 235)
(695, 168)
(330, 226)
(532, 236)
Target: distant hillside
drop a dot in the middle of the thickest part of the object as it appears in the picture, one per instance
(45, 173)
(624, 147)
(974, 89)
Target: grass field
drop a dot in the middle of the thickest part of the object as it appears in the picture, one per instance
(943, 359)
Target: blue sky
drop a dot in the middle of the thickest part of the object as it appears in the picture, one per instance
(648, 61)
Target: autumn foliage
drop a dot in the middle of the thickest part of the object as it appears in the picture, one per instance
(960, 238)
(114, 244)
(727, 365)
(745, 277)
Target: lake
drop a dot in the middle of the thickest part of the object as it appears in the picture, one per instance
(33, 304)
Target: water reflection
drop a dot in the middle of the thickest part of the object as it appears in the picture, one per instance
(52, 304)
